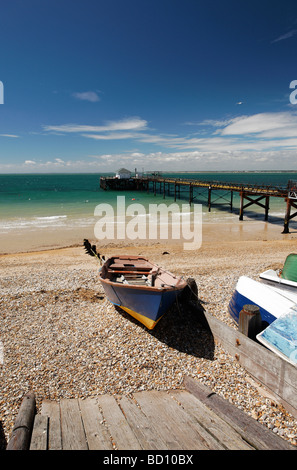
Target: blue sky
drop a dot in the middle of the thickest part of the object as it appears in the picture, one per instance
(92, 85)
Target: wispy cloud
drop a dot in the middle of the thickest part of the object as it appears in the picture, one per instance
(285, 36)
(14, 136)
(256, 132)
(128, 124)
(91, 96)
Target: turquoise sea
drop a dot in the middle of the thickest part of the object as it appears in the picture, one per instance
(29, 201)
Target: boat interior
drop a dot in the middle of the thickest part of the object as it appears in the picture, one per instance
(138, 271)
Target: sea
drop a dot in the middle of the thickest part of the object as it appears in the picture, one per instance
(53, 201)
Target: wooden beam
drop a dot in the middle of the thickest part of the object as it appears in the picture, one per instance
(251, 430)
(22, 429)
(276, 374)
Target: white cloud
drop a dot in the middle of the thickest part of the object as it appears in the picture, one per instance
(9, 135)
(247, 138)
(91, 96)
(285, 36)
(30, 162)
(112, 136)
(262, 123)
(133, 123)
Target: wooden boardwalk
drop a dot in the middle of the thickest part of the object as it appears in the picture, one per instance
(191, 419)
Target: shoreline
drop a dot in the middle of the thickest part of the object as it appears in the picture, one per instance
(232, 232)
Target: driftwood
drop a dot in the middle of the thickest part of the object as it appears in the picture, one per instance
(22, 429)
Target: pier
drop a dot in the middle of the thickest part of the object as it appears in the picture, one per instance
(250, 194)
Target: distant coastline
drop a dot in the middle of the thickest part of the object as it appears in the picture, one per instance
(159, 171)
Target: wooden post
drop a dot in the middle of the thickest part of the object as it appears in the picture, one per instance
(22, 429)
(241, 205)
(250, 321)
(209, 198)
(287, 216)
(266, 207)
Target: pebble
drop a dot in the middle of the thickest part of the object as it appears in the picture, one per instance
(63, 339)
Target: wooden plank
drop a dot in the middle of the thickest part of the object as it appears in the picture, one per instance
(96, 433)
(121, 433)
(251, 430)
(22, 429)
(39, 437)
(173, 423)
(52, 410)
(279, 376)
(162, 426)
(146, 434)
(73, 434)
(218, 428)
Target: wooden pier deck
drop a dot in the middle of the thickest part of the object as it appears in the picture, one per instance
(249, 193)
(190, 419)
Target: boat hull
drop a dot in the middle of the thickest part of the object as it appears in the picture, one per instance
(272, 304)
(146, 303)
(147, 306)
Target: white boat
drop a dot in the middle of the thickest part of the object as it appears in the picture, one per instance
(283, 279)
(281, 336)
(272, 302)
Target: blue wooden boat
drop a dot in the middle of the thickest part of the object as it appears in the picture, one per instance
(139, 287)
(272, 303)
(281, 336)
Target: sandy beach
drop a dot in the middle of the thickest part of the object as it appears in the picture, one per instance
(62, 338)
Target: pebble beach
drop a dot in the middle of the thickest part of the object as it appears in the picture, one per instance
(61, 338)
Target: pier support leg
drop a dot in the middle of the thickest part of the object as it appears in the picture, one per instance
(209, 199)
(164, 190)
(174, 192)
(266, 207)
(241, 205)
(231, 201)
(287, 216)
